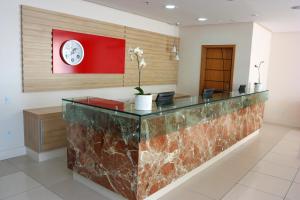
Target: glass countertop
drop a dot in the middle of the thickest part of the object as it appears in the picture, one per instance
(128, 108)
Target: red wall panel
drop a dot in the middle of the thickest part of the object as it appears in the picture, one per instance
(102, 55)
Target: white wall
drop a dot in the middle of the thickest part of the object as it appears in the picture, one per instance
(190, 52)
(283, 106)
(13, 101)
(260, 51)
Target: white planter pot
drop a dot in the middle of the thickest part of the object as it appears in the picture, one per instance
(257, 87)
(143, 102)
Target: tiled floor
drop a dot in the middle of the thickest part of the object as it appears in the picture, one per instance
(265, 168)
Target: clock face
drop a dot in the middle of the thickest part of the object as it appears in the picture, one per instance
(72, 52)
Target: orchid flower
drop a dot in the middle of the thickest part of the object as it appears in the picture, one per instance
(141, 64)
(258, 68)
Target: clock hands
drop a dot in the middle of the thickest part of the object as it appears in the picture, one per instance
(74, 50)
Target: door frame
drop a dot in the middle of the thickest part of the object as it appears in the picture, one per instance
(203, 64)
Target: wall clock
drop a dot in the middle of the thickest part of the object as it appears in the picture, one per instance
(72, 52)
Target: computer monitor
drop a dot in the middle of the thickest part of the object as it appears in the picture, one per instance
(165, 98)
(208, 93)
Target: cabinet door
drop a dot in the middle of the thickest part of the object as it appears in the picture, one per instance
(31, 131)
(53, 133)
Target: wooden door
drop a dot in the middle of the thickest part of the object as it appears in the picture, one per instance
(217, 64)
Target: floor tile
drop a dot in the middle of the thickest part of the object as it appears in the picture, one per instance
(294, 192)
(265, 183)
(288, 154)
(290, 145)
(273, 133)
(240, 192)
(6, 168)
(180, 194)
(48, 172)
(214, 183)
(287, 149)
(294, 134)
(21, 162)
(63, 158)
(39, 193)
(297, 179)
(16, 183)
(291, 139)
(236, 166)
(282, 160)
(276, 170)
(255, 149)
(73, 190)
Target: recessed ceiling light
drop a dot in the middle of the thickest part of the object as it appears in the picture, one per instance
(202, 19)
(296, 7)
(170, 6)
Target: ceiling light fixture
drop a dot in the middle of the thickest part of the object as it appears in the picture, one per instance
(296, 7)
(202, 19)
(170, 6)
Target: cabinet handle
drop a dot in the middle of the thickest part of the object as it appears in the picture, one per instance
(42, 134)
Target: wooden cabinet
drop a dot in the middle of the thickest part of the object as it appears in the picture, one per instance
(44, 129)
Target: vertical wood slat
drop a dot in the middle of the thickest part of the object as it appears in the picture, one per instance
(37, 25)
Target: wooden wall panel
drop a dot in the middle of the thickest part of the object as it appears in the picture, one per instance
(161, 65)
(37, 25)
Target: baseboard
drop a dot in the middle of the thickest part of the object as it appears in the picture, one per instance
(111, 195)
(43, 156)
(6, 154)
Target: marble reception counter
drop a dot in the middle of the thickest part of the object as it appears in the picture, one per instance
(136, 153)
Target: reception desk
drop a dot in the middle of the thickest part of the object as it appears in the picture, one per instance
(137, 153)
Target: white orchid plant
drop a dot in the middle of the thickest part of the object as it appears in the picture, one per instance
(258, 68)
(138, 54)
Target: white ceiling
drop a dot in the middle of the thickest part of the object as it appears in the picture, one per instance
(275, 15)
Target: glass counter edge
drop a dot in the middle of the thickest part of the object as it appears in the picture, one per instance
(138, 116)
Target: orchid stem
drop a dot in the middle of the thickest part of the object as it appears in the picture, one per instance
(138, 61)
